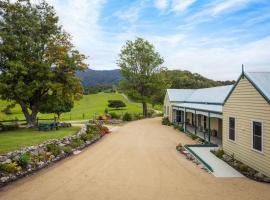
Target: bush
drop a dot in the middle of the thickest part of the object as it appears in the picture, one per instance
(104, 130)
(116, 104)
(92, 129)
(10, 167)
(115, 115)
(24, 159)
(166, 121)
(106, 111)
(219, 153)
(67, 150)
(127, 117)
(181, 128)
(9, 127)
(54, 149)
(150, 112)
(76, 143)
(193, 136)
(137, 116)
(176, 126)
(243, 168)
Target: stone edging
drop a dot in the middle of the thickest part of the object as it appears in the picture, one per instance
(249, 172)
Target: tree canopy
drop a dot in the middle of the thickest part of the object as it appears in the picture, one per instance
(37, 58)
(57, 104)
(141, 67)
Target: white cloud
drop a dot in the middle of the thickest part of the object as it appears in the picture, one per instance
(229, 5)
(161, 4)
(181, 5)
(220, 63)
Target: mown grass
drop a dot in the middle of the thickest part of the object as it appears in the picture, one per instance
(12, 140)
(86, 108)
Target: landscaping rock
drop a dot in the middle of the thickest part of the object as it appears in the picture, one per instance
(227, 158)
(4, 179)
(7, 161)
(3, 158)
(76, 152)
(259, 175)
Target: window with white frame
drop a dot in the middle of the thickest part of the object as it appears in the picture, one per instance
(232, 128)
(257, 135)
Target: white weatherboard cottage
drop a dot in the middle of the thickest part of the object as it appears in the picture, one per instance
(236, 117)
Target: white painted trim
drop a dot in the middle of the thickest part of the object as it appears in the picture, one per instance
(260, 121)
(235, 139)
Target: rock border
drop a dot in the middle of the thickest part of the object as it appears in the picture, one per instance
(7, 178)
(191, 157)
(247, 171)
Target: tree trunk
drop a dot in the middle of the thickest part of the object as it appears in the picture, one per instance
(31, 118)
(144, 109)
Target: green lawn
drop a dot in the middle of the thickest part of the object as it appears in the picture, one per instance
(12, 140)
(86, 108)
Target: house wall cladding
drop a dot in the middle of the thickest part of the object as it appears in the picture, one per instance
(246, 104)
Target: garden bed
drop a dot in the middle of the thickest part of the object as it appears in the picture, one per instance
(25, 161)
(241, 167)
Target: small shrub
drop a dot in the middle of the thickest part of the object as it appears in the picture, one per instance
(165, 121)
(92, 129)
(54, 149)
(243, 168)
(106, 111)
(116, 104)
(10, 167)
(104, 129)
(175, 126)
(193, 136)
(90, 136)
(179, 147)
(127, 117)
(24, 159)
(115, 115)
(76, 143)
(84, 137)
(150, 112)
(40, 157)
(137, 116)
(67, 150)
(219, 153)
(9, 127)
(181, 128)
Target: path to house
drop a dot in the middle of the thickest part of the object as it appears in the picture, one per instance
(136, 162)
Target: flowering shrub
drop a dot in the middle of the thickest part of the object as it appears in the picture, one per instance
(10, 167)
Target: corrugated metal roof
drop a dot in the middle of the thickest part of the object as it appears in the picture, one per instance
(203, 107)
(179, 95)
(214, 95)
(261, 80)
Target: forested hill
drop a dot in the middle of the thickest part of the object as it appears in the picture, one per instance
(178, 78)
(100, 77)
(187, 80)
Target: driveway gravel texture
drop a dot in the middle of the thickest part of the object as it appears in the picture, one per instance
(138, 161)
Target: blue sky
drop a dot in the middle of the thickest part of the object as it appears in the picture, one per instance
(211, 37)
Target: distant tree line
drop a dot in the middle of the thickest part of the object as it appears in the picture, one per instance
(94, 89)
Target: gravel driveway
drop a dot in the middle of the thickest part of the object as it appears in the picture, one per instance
(137, 161)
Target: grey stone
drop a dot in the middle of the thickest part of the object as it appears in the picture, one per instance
(259, 175)
(4, 179)
(7, 161)
(3, 158)
(266, 179)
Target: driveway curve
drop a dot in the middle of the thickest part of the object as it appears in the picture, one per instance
(136, 162)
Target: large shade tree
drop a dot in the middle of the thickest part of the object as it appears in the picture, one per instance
(37, 58)
(141, 67)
